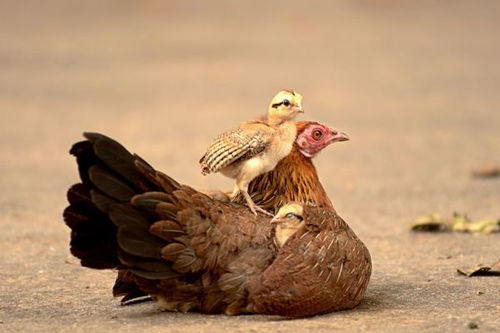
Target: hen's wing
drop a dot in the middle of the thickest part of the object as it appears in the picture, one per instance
(242, 143)
(322, 268)
(180, 246)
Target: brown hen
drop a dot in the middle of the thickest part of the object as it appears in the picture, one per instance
(193, 253)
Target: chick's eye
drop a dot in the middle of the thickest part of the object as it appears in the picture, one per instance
(286, 102)
(292, 215)
(317, 134)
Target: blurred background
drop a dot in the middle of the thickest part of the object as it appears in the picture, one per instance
(414, 83)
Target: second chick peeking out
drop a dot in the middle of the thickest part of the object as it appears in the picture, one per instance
(288, 220)
(255, 147)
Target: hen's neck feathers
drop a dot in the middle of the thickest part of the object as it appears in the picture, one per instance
(293, 179)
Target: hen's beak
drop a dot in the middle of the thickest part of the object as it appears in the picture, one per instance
(338, 136)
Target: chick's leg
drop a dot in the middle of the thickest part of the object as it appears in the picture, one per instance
(243, 188)
(253, 207)
(236, 191)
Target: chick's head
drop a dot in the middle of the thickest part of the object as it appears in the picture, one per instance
(285, 105)
(312, 137)
(288, 220)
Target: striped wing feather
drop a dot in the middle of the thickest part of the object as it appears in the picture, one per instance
(235, 145)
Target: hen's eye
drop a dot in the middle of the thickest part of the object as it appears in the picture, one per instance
(317, 134)
(286, 102)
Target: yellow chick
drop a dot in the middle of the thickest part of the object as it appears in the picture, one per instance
(289, 219)
(255, 147)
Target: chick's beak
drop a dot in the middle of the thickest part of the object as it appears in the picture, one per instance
(298, 109)
(338, 136)
(276, 220)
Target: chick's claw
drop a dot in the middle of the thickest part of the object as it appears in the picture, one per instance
(256, 209)
(253, 207)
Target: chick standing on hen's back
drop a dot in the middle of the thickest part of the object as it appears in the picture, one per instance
(255, 147)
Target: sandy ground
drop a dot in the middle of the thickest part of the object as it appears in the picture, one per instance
(415, 84)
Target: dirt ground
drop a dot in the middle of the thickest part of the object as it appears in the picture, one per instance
(415, 84)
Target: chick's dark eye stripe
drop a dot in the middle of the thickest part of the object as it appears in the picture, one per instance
(275, 105)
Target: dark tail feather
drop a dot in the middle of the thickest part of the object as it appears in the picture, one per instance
(120, 161)
(93, 236)
(126, 286)
(100, 215)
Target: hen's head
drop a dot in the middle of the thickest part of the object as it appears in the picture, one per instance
(288, 220)
(285, 106)
(312, 137)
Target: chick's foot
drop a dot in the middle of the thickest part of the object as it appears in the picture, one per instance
(253, 207)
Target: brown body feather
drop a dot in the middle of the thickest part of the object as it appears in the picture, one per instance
(193, 253)
(293, 180)
(322, 268)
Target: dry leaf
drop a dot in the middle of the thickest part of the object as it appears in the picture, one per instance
(472, 325)
(459, 222)
(481, 270)
(487, 171)
(429, 223)
(462, 223)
